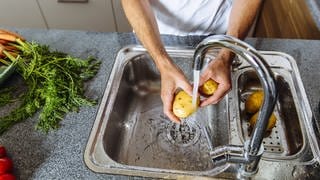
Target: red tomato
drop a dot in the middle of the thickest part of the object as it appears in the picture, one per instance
(5, 165)
(7, 177)
(2, 152)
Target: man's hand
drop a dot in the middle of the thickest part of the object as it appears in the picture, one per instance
(172, 78)
(218, 70)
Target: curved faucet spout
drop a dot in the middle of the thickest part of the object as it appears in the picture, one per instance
(267, 81)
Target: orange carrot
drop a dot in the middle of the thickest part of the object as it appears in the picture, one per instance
(12, 53)
(12, 33)
(8, 37)
(1, 48)
(10, 48)
(3, 51)
(3, 42)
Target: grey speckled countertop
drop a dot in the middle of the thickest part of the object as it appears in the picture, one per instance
(59, 155)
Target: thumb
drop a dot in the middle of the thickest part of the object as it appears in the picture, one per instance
(186, 87)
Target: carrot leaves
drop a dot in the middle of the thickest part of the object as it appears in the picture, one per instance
(54, 81)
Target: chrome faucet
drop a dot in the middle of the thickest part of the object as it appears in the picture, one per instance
(249, 154)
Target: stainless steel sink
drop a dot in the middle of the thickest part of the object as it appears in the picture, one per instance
(132, 136)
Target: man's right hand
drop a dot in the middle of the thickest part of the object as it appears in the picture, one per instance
(172, 79)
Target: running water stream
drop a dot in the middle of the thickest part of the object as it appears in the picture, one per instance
(196, 77)
(193, 118)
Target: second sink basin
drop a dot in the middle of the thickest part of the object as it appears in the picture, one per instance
(286, 139)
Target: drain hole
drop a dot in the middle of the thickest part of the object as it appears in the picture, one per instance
(277, 137)
(264, 142)
(182, 134)
(276, 131)
(271, 149)
(271, 143)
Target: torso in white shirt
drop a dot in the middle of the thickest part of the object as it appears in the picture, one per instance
(192, 17)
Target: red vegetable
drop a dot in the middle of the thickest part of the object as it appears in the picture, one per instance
(6, 165)
(2, 152)
(7, 176)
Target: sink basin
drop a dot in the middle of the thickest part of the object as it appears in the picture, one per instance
(132, 136)
(139, 134)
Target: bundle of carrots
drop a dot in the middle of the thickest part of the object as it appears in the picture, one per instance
(54, 81)
(8, 47)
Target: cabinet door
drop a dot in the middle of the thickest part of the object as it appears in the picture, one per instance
(21, 14)
(121, 19)
(93, 15)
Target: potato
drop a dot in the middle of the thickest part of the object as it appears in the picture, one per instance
(271, 123)
(182, 105)
(254, 102)
(208, 88)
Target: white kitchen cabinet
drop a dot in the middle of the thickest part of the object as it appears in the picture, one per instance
(21, 13)
(93, 15)
(90, 15)
(122, 23)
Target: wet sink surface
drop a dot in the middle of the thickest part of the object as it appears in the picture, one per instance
(132, 136)
(139, 134)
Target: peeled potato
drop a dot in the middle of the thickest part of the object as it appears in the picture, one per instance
(271, 123)
(208, 88)
(182, 105)
(254, 102)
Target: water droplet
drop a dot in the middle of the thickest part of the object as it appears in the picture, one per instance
(294, 172)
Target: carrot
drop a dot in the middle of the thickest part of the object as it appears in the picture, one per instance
(1, 48)
(7, 37)
(1, 51)
(3, 42)
(10, 48)
(13, 54)
(9, 54)
(12, 33)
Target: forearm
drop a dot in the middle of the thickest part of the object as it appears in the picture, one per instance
(143, 22)
(241, 18)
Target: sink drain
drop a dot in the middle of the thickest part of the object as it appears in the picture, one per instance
(183, 134)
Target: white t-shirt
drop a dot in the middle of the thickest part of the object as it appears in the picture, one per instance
(192, 17)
